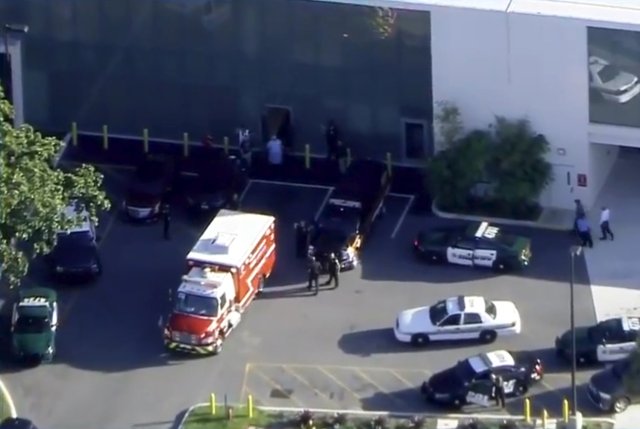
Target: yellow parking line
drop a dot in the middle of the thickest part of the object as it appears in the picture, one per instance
(245, 377)
(381, 389)
(306, 383)
(345, 367)
(402, 379)
(277, 386)
(338, 382)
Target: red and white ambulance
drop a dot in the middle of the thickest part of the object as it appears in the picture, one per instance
(227, 267)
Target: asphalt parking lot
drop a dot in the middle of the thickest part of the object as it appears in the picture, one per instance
(333, 350)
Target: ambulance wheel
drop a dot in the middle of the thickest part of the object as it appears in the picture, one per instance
(488, 336)
(261, 285)
(419, 340)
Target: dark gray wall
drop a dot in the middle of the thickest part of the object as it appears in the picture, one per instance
(202, 66)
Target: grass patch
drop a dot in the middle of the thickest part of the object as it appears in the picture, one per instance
(201, 418)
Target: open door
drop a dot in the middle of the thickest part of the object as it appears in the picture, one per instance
(277, 121)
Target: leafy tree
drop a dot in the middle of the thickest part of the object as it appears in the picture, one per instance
(449, 122)
(518, 167)
(453, 172)
(34, 194)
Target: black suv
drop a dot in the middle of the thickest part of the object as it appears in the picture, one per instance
(75, 256)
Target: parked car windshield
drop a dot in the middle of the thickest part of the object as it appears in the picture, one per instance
(438, 312)
(196, 305)
(75, 239)
(609, 73)
(31, 325)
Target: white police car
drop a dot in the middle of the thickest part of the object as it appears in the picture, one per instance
(458, 318)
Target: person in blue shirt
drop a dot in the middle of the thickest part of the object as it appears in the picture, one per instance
(584, 231)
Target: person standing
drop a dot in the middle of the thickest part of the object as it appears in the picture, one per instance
(274, 153)
(334, 271)
(584, 231)
(341, 155)
(314, 275)
(498, 387)
(301, 239)
(605, 227)
(580, 212)
(331, 137)
(244, 145)
(166, 221)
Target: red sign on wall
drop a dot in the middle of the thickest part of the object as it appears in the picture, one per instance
(582, 180)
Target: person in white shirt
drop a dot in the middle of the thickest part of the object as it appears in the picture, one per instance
(605, 228)
(274, 151)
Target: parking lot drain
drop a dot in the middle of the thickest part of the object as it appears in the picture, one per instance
(281, 393)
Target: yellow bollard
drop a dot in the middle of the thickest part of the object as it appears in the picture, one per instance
(527, 410)
(226, 145)
(348, 156)
(389, 163)
(105, 137)
(212, 404)
(185, 142)
(250, 405)
(565, 410)
(545, 418)
(307, 156)
(74, 133)
(145, 140)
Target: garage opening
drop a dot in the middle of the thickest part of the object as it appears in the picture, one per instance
(276, 120)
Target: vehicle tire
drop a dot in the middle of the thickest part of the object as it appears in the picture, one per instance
(487, 337)
(457, 404)
(520, 389)
(620, 405)
(419, 340)
(218, 348)
(501, 266)
(261, 285)
(434, 258)
(582, 359)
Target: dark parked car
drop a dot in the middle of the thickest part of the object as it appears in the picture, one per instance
(352, 207)
(469, 381)
(17, 423)
(150, 185)
(216, 184)
(608, 390)
(477, 245)
(75, 255)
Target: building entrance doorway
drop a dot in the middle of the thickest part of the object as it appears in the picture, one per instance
(277, 120)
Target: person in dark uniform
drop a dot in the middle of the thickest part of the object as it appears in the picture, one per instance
(334, 271)
(314, 274)
(166, 220)
(302, 245)
(498, 387)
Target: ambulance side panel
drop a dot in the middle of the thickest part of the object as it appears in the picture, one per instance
(259, 265)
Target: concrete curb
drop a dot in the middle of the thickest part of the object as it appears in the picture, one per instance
(392, 414)
(7, 397)
(499, 220)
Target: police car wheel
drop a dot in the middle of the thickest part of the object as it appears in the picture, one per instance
(456, 404)
(419, 340)
(582, 359)
(434, 258)
(488, 336)
(500, 266)
(520, 389)
(620, 405)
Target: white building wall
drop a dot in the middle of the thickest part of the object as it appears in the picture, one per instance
(601, 161)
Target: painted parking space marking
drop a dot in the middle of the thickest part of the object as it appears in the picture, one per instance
(323, 204)
(402, 216)
(334, 386)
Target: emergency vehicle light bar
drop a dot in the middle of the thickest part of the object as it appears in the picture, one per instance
(200, 280)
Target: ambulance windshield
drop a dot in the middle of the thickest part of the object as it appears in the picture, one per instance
(197, 305)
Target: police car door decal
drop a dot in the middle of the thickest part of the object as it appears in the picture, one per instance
(480, 393)
(457, 255)
(484, 257)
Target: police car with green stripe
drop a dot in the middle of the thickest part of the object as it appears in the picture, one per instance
(458, 318)
(608, 341)
(479, 244)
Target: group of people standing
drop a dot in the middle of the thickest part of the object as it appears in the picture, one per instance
(583, 229)
(315, 268)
